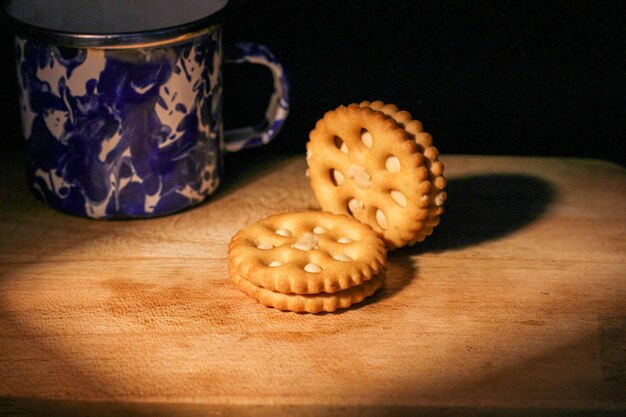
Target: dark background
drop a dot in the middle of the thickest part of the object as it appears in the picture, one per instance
(517, 78)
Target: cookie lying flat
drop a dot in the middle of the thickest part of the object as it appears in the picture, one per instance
(306, 253)
(310, 303)
(361, 162)
(435, 167)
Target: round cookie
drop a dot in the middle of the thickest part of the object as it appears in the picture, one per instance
(310, 303)
(435, 167)
(362, 163)
(306, 253)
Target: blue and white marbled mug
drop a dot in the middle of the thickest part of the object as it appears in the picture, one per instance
(128, 124)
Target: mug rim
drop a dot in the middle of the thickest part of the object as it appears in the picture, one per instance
(114, 40)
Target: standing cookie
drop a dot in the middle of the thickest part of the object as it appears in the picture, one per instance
(435, 167)
(361, 162)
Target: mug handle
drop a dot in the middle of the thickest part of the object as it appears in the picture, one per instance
(278, 107)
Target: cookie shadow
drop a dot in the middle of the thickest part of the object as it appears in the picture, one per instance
(401, 270)
(479, 208)
(486, 207)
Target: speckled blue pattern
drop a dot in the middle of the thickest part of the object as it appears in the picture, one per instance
(127, 133)
(121, 138)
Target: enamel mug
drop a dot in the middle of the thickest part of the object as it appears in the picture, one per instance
(121, 102)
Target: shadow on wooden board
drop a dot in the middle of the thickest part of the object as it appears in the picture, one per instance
(485, 207)
(44, 408)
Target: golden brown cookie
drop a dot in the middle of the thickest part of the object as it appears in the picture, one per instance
(310, 303)
(435, 167)
(361, 162)
(306, 253)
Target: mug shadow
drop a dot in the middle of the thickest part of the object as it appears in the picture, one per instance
(486, 207)
(243, 167)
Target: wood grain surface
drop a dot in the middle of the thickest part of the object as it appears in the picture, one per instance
(515, 306)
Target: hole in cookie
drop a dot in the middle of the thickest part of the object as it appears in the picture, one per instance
(308, 241)
(313, 268)
(366, 138)
(440, 199)
(274, 264)
(392, 164)
(264, 245)
(344, 240)
(305, 246)
(318, 230)
(354, 206)
(399, 198)
(360, 175)
(283, 232)
(340, 144)
(342, 257)
(381, 219)
(337, 177)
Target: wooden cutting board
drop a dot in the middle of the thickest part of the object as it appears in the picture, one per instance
(516, 305)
